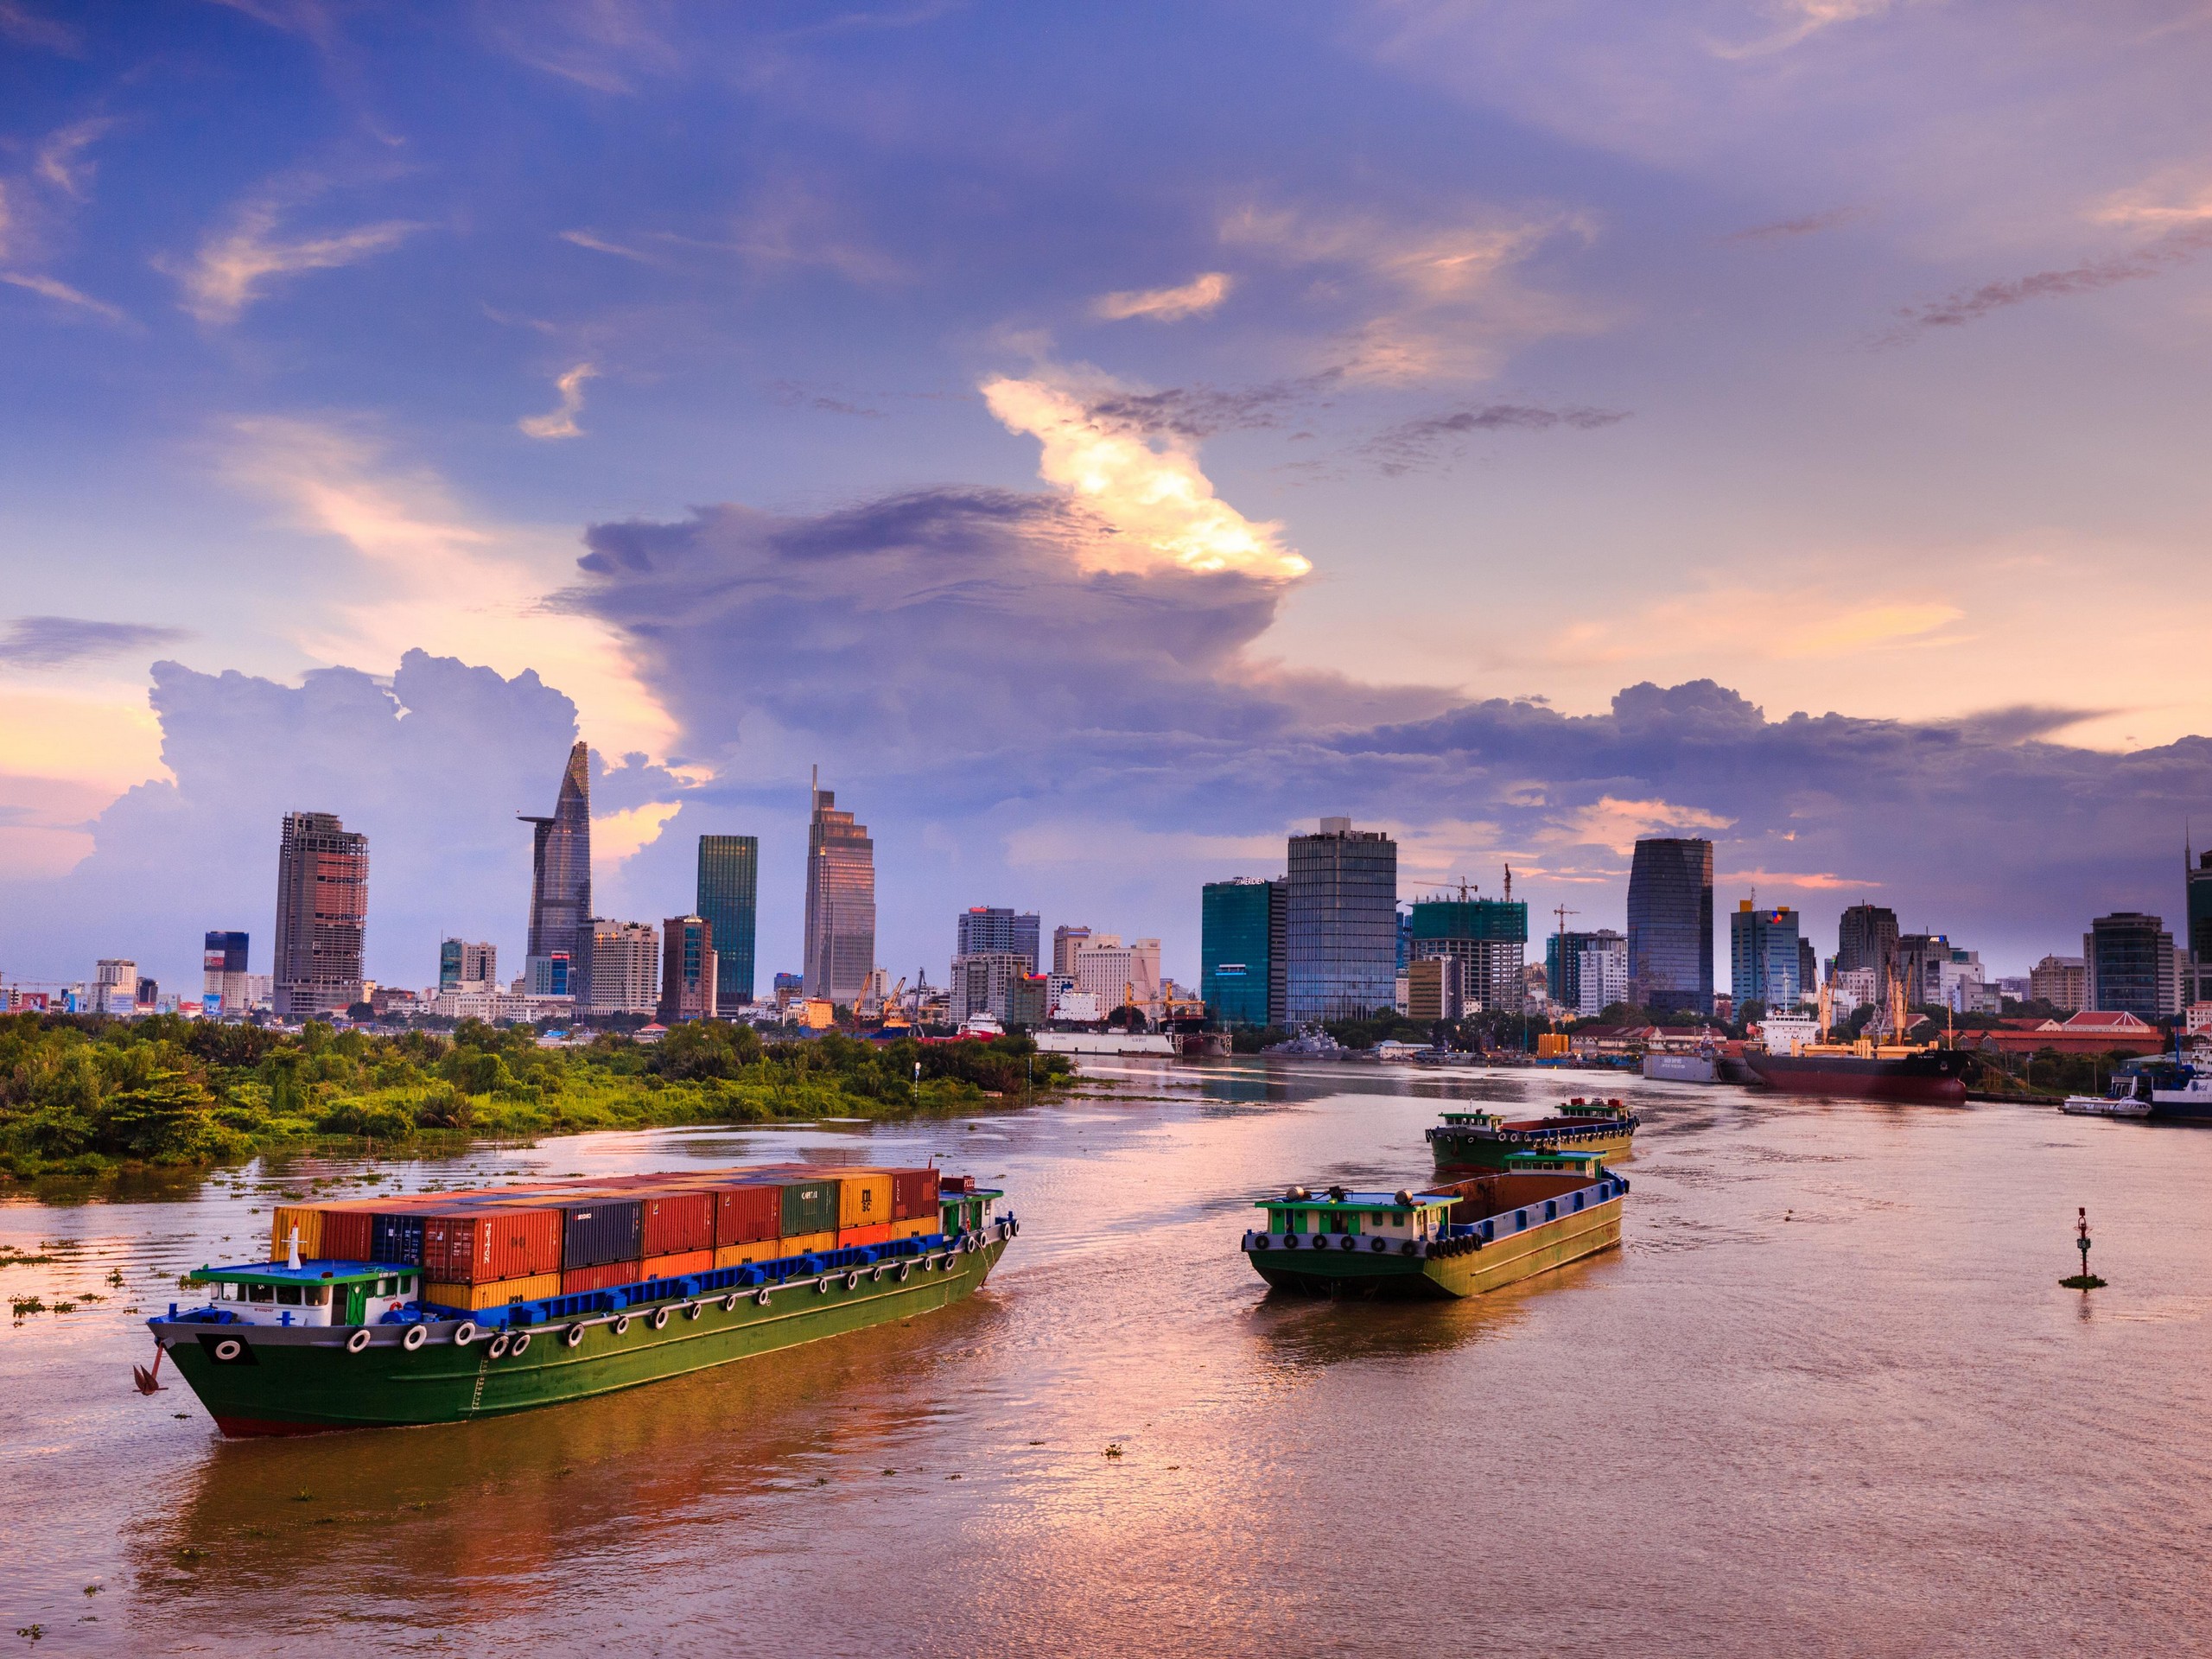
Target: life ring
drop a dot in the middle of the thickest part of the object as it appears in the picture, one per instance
(229, 1349)
(358, 1341)
(416, 1336)
(729, 1303)
(852, 1281)
(762, 1297)
(822, 1285)
(659, 1318)
(573, 1335)
(622, 1324)
(904, 1268)
(521, 1342)
(498, 1348)
(465, 1334)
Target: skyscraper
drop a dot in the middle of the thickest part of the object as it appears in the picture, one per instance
(2131, 958)
(560, 887)
(990, 928)
(1341, 920)
(467, 964)
(687, 970)
(1238, 969)
(323, 913)
(222, 969)
(840, 902)
(1763, 964)
(1670, 924)
(624, 967)
(1867, 939)
(729, 898)
(1066, 941)
(1490, 936)
(2196, 883)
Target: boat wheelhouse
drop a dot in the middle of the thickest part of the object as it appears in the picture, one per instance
(1479, 1140)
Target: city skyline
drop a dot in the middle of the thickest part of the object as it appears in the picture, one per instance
(1505, 450)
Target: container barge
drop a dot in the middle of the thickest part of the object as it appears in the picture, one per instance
(1466, 1141)
(444, 1307)
(1455, 1240)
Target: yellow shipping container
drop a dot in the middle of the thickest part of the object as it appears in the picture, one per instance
(919, 1227)
(307, 1218)
(863, 1197)
(497, 1293)
(800, 1243)
(736, 1255)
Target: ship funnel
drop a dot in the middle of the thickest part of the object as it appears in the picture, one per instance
(293, 1260)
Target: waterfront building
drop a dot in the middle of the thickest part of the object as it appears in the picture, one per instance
(1852, 988)
(1490, 938)
(560, 885)
(1117, 973)
(1066, 941)
(1866, 936)
(1340, 924)
(991, 928)
(1764, 956)
(1961, 986)
(840, 902)
(468, 965)
(1240, 922)
(223, 975)
(729, 900)
(2130, 958)
(1564, 952)
(114, 985)
(323, 913)
(625, 967)
(2196, 947)
(1436, 989)
(1919, 963)
(687, 970)
(982, 982)
(1600, 973)
(1670, 924)
(1025, 1002)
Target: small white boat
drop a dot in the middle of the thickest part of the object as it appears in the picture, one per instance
(2105, 1106)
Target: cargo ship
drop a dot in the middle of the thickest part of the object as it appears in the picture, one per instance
(1476, 1141)
(1460, 1239)
(1867, 1070)
(442, 1307)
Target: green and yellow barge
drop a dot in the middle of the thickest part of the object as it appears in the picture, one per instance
(1469, 1142)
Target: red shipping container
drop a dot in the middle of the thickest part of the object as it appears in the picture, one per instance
(747, 1215)
(677, 1265)
(913, 1193)
(878, 1233)
(345, 1235)
(604, 1278)
(476, 1245)
(678, 1222)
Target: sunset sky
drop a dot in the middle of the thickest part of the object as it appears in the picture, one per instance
(1104, 440)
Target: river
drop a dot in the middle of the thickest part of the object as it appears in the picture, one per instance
(1829, 1398)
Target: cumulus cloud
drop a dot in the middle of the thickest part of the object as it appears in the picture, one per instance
(1194, 298)
(55, 641)
(235, 264)
(1157, 507)
(561, 422)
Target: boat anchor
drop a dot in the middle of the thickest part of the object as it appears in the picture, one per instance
(144, 1378)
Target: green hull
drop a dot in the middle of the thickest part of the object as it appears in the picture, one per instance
(1361, 1272)
(1459, 1149)
(302, 1380)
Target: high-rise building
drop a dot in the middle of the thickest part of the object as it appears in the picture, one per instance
(223, 975)
(1027, 999)
(729, 897)
(989, 927)
(1763, 958)
(1117, 973)
(1866, 936)
(1436, 989)
(1568, 953)
(560, 887)
(687, 970)
(2061, 982)
(625, 967)
(1919, 965)
(1670, 924)
(114, 985)
(1341, 924)
(2196, 883)
(840, 902)
(2131, 962)
(322, 914)
(1490, 936)
(985, 982)
(1237, 929)
(1809, 970)
(1066, 941)
(468, 965)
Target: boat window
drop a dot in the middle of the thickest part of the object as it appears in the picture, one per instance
(1397, 1217)
(315, 1296)
(289, 1295)
(260, 1293)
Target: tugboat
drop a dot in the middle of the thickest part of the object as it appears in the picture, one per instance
(1480, 1140)
(310, 1343)
(1541, 1212)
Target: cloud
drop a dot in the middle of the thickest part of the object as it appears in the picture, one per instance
(2176, 247)
(1194, 298)
(1615, 824)
(57, 641)
(1801, 20)
(1411, 443)
(234, 265)
(599, 243)
(1157, 506)
(1788, 229)
(56, 289)
(624, 834)
(561, 422)
(60, 161)
(19, 22)
(1196, 413)
(1806, 881)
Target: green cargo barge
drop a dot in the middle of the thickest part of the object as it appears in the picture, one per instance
(416, 1364)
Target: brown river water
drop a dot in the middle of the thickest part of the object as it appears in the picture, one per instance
(1828, 1399)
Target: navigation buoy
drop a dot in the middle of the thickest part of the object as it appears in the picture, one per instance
(2084, 1280)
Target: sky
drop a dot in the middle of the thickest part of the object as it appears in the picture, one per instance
(1104, 441)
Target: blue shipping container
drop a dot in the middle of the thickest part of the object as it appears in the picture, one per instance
(396, 1238)
(593, 1235)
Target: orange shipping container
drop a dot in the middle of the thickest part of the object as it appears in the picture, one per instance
(678, 1222)
(878, 1234)
(863, 1197)
(736, 1255)
(803, 1242)
(497, 1293)
(604, 1277)
(678, 1263)
(919, 1227)
(307, 1218)
(483, 1243)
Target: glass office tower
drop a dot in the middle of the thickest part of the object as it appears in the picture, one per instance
(1764, 957)
(1237, 966)
(1341, 923)
(729, 900)
(840, 903)
(1670, 924)
(560, 887)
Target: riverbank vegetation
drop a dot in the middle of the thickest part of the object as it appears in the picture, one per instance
(82, 1094)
